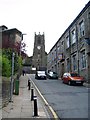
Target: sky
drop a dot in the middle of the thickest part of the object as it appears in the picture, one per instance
(49, 16)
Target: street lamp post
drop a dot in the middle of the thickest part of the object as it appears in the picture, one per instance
(11, 82)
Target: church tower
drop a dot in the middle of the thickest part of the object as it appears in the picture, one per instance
(39, 59)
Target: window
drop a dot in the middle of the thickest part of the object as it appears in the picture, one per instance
(73, 35)
(83, 59)
(81, 28)
(58, 50)
(62, 42)
(67, 42)
(52, 57)
(65, 74)
(74, 59)
(89, 15)
(54, 54)
(62, 46)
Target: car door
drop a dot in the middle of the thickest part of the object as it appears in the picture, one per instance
(65, 78)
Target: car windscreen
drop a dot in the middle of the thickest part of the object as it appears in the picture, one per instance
(74, 75)
(41, 72)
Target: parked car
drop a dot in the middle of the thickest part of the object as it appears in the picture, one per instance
(72, 78)
(40, 75)
(52, 75)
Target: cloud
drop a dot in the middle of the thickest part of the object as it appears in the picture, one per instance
(49, 16)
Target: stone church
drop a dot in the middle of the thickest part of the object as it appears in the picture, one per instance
(39, 58)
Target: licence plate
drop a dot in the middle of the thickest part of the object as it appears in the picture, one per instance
(78, 81)
(42, 76)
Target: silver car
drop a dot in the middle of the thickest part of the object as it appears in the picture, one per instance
(40, 75)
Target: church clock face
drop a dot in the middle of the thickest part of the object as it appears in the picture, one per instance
(38, 47)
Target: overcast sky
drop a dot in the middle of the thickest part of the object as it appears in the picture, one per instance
(49, 16)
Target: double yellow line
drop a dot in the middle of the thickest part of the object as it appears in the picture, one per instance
(51, 109)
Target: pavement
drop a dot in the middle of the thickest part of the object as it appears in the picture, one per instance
(22, 106)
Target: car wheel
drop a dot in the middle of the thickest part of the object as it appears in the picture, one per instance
(69, 82)
(63, 81)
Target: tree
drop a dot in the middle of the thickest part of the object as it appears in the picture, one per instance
(7, 61)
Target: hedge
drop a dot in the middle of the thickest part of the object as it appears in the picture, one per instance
(6, 67)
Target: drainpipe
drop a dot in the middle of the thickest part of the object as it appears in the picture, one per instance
(77, 49)
(70, 52)
(56, 58)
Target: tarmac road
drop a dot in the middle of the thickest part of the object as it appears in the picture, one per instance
(67, 101)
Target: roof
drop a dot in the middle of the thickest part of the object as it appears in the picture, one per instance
(12, 30)
(3, 26)
(83, 10)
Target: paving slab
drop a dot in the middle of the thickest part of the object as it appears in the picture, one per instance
(22, 106)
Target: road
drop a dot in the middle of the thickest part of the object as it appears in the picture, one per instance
(67, 101)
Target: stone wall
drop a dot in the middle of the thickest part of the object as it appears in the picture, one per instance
(5, 91)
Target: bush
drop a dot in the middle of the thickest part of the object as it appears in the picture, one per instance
(6, 62)
(6, 67)
(0, 65)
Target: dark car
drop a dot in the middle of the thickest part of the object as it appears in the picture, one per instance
(52, 75)
(40, 75)
(72, 78)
